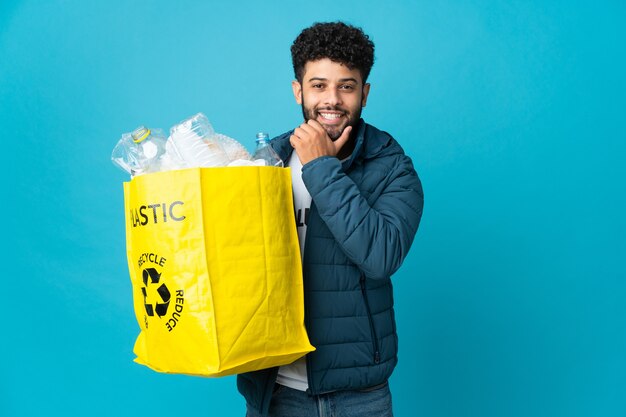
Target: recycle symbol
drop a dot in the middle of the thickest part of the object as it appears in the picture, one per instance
(150, 278)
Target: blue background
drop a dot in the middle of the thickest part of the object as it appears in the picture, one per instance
(512, 300)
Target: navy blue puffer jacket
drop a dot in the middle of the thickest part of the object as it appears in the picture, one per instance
(363, 218)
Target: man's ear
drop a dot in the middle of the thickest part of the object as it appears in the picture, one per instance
(366, 91)
(297, 91)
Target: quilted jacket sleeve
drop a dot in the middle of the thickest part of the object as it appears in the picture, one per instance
(376, 236)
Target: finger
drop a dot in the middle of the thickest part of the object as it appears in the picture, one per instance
(316, 125)
(299, 133)
(293, 139)
(308, 129)
(345, 135)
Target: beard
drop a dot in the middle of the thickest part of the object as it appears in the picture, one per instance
(334, 132)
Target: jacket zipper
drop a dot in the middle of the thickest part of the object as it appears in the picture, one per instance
(273, 375)
(371, 320)
(307, 320)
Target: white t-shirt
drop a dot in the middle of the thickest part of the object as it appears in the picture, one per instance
(294, 374)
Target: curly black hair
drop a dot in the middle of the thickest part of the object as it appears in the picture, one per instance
(336, 41)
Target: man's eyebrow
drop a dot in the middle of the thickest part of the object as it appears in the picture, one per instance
(342, 80)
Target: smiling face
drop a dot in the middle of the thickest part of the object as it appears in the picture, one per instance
(331, 94)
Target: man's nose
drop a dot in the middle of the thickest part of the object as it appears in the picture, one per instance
(332, 98)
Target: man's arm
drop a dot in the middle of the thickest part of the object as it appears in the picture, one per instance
(376, 238)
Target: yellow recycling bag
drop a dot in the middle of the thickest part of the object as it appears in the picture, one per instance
(215, 267)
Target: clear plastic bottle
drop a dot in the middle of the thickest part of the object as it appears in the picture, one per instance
(141, 151)
(265, 152)
(195, 143)
(234, 149)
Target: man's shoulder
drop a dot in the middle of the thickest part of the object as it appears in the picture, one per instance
(379, 143)
(282, 136)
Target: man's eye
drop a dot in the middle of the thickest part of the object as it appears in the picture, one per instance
(347, 87)
(317, 86)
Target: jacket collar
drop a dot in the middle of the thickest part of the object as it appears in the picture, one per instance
(283, 147)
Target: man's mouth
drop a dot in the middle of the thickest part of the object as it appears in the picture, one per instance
(330, 117)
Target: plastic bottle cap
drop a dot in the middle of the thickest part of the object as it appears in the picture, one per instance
(262, 136)
(140, 134)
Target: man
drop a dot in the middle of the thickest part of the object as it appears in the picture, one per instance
(358, 201)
